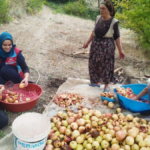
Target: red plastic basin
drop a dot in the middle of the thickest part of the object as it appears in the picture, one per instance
(20, 107)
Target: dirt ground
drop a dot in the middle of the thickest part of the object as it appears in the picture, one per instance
(44, 37)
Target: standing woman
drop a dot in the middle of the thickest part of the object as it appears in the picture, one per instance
(12, 63)
(102, 52)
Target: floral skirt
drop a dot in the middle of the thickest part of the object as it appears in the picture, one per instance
(101, 60)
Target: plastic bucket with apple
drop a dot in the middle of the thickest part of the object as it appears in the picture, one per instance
(132, 105)
(30, 131)
(20, 107)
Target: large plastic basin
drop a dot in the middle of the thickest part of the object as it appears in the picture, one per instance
(132, 105)
(20, 107)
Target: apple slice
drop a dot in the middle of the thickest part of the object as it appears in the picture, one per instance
(28, 99)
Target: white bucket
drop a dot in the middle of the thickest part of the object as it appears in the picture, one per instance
(30, 131)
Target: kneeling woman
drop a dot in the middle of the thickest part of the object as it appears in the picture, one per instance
(12, 63)
(3, 119)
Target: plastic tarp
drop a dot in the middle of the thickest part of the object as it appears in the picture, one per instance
(72, 85)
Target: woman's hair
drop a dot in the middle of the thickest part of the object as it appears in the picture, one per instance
(109, 6)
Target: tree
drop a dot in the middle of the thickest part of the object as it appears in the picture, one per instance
(135, 15)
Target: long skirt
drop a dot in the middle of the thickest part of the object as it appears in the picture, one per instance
(101, 60)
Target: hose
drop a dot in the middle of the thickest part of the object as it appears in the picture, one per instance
(37, 72)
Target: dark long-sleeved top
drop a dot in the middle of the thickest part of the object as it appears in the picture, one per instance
(102, 27)
(20, 61)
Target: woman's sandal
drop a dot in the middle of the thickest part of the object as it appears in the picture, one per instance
(94, 85)
(106, 90)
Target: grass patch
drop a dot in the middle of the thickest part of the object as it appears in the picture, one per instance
(4, 11)
(2, 134)
(10, 9)
(34, 6)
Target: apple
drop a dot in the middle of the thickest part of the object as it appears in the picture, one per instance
(89, 146)
(73, 144)
(104, 144)
(21, 85)
(99, 139)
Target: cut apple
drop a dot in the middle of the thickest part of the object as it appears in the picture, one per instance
(28, 99)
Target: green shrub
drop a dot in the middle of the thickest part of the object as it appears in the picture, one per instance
(92, 13)
(61, 1)
(77, 9)
(34, 6)
(56, 8)
(4, 11)
(136, 16)
(17, 8)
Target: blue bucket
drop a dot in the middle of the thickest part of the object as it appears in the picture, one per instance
(132, 105)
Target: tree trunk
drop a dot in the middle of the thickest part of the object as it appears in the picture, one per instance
(98, 3)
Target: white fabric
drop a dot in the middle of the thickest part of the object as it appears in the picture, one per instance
(110, 32)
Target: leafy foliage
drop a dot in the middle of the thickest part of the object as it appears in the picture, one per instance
(4, 11)
(61, 1)
(135, 15)
(34, 6)
(77, 8)
(10, 9)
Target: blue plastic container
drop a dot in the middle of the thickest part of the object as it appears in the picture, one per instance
(108, 99)
(132, 105)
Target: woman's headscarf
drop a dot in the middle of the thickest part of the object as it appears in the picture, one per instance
(109, 6)
(6, 36)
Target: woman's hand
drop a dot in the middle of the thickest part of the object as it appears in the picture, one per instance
(121, 55)
(26, 79)
(89, 40)
(25, 82)
(135, 98)
(1, 89)
(85, 45)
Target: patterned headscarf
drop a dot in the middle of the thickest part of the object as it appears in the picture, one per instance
(109, 6)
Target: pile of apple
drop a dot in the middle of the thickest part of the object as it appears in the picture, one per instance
(109, 104)
(9, 96)
(67, 99)
(125, 92)
(128, 93)
(91, 130)
(108, 95)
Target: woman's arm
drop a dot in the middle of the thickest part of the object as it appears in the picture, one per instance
(21, 62)
(119, 46)
(26, 79)
(25, 70)
(89, 40)
(142, 93)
